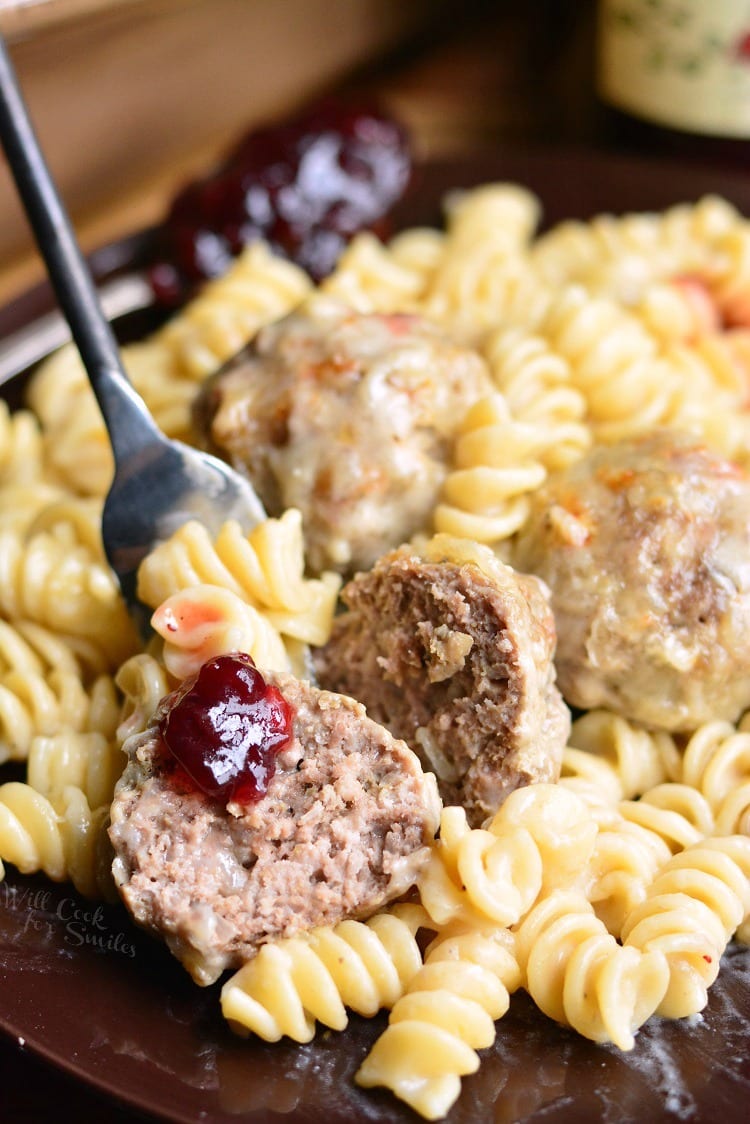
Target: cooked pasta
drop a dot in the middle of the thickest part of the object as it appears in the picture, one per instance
(716, 762)
(258, 287)
(474, 874)
(536, 385)
(495, 466)
(614, 362)
(371, 277)
(89, 762)
(609, 895)
(447, 1014)
(293, 983)
(618, 255)
(579, 975)
(65, 588)
(69, 844)
(21, 447)
(34, 704)
(265, 567)
(204, 621)
(640, 758)
(692, 909)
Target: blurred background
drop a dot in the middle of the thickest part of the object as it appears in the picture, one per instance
(133, 97)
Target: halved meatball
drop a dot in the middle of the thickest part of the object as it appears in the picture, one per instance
(452, 651)
(347, 417)
(645, 546)
(344, 827)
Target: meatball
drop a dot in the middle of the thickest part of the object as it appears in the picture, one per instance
(645, 548)
(344, 826)
(452, 651)
(346, 417)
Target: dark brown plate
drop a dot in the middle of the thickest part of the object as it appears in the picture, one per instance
(81, 988)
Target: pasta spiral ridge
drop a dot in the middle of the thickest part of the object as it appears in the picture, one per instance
(266, 568)
(639, 758)
(716, 761)
(541, 838)
(537, 388)
(66, 844)
(34, 704)
(205, 621)
(578, 974)
(619, 255)
(65, 588)
(371, 277)
(315, 976)
(495, 466)
(448, 1012)
(258, 287)
(692, 908)
(21, 447)
(613, 360)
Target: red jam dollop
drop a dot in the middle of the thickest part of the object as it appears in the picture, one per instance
(225, 727)
(305, 187)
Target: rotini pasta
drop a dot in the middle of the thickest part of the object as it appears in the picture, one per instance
(716, 762)
(447, 1013)
(259, 287)
(640, 758)
(204, 621)
(69, 844)
(495, 465)
(610, 895)
(692, 908)
(579, 975)
(316, 976)
(536, 385)
(266, 568)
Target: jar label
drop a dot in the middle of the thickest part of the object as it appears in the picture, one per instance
(683, 65)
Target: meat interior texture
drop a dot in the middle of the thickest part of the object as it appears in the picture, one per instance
(458, 664)
(645, 546)
(347, 417)
(344, 827)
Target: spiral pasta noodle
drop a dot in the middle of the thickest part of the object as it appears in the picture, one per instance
(293, 983)
(21, 447)
(536, 385)
(618, 255)
(692, 908)
(447, 1013)
(495, 466)
(640, 758)
(371, 277)
(614, 362)
(266, 568)
(578, 974)
(258, 287)
(716, 762)
(69, 844)
(64, 588)
(204, 621)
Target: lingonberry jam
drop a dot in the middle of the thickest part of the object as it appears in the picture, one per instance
(225, 727)
(305, 187)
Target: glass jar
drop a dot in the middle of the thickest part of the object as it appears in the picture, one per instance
(675, 75)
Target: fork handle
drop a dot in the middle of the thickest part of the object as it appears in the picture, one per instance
(128, 421)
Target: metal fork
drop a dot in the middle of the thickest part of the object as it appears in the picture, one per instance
(158, 484)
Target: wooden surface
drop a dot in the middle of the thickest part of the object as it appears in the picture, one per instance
(131, 98)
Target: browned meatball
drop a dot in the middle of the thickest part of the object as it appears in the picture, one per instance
(645, 546)
(452, 651)
(344, 827)
(348, 418)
